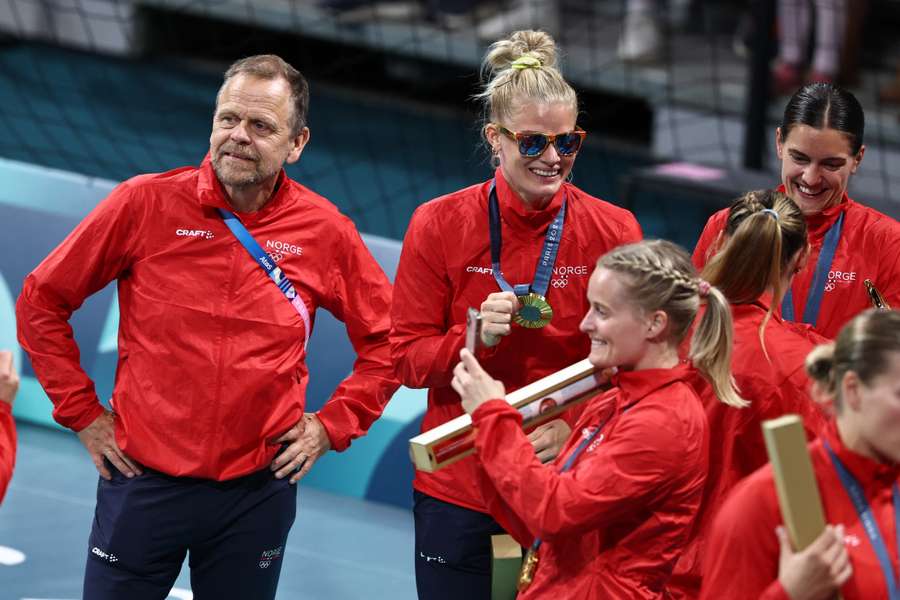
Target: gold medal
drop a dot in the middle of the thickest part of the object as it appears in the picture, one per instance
(535, 312)
(529, 565)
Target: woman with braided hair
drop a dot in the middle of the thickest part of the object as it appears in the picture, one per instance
(478, 247)
(610, 516)
(765, 245)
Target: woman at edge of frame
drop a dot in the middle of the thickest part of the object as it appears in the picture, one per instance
(856, 462)
(765, 245)
(820, 145)
(611, 515)
(446, 266)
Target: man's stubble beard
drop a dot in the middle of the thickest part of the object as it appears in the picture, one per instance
(227, 176)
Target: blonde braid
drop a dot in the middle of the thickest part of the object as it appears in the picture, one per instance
(656, 280)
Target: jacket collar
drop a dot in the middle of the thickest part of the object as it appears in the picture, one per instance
(635, 385)
(514, 212)
(210, 192)
(760, 305)
(868, 472)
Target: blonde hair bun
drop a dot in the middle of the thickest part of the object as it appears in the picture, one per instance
(518, 71)
(820, 365)
(503, 53)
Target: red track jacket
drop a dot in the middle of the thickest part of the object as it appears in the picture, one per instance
(869, 249)
(615, 523)
(737, 448)
(445, 267)
(742, 558)
(211, 361)
(7, 446)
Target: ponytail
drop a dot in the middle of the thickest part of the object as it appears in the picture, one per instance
(765, 231)
(711, 347)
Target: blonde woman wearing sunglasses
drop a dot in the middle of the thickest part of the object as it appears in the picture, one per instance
(520, 247)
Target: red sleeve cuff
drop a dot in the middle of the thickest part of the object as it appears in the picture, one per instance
(774, 592)
(339, 441)
(78, 423)
(5, 407)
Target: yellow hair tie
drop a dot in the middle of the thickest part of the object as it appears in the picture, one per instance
(526, 61)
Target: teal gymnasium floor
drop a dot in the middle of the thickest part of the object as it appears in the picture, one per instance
(339, 548)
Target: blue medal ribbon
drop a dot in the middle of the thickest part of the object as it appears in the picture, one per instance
(546, 260)
(267, 263)
(858, 497)
(571, 461)
(820, 279)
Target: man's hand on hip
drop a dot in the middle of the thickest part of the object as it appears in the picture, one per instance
(307, 441)
(100, 440)
(9, 379)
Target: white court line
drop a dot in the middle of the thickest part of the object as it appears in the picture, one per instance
(10, 557)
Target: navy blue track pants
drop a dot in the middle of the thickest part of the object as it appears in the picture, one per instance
(234, 533)
(453, 550)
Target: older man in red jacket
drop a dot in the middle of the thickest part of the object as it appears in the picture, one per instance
(220, 269)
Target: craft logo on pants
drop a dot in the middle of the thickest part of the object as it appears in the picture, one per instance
(107, 556)
(268, 556)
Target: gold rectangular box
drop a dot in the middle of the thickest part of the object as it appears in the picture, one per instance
(795, 482)
(538, 401)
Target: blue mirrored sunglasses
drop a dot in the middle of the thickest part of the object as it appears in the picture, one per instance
(533, 144)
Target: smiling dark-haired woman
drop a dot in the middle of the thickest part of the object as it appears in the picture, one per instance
(820, 145)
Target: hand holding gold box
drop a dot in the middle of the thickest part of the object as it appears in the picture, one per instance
(538, 401)
(795, 481)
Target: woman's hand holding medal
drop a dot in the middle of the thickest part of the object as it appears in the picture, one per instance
(496, 316)
(473, 384)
